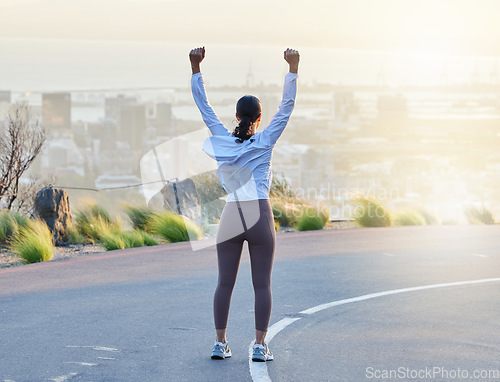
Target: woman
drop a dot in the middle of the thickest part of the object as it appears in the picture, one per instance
(244, 167)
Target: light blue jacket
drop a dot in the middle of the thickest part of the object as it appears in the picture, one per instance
(244, 168)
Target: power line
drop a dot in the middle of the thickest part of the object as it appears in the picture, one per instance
(90, 188)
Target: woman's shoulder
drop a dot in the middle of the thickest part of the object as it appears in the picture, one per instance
(261, 139)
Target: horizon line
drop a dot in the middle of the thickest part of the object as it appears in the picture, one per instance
(265, 44)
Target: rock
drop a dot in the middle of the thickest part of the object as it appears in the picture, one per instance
(52, 206)
(182, 198)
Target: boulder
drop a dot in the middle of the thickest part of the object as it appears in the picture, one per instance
(182, 198)
(52, 206)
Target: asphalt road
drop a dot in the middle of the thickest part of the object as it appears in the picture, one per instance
(146, 314)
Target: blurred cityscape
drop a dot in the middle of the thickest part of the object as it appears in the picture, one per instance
(436, 146)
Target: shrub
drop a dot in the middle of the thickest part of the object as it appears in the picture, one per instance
(429, 216)
(122, 240)
(10, 222)
(132, 239)
(93, 228)
(97, 210)
(210, 191)
(33, 243)
(324, 212)
(409, 217)
(212, 211)
(371, 213)
(174, 227)
(128, 239)
(280, 187)
(310, 220)
(476, 215)
(148, 239)
(94, 222)
(74, 236)
(21, 220)
(139, 216)
(112, 241)
(286, 214)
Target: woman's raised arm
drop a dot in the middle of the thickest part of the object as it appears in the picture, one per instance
(213, 122)
(272, 132)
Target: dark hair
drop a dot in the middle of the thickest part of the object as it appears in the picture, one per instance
(248, 110)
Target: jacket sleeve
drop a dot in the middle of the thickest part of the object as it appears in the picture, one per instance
(272, 132)
(200, 98)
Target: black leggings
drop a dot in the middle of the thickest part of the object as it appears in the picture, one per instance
(252, 221)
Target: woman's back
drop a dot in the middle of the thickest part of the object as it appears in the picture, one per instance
(254, 154)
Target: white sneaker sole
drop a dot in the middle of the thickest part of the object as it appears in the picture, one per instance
(262, 358)
(223, 356)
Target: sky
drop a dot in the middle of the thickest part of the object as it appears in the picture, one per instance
(458, 27)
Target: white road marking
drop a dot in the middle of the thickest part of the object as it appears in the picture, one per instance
(258, 370)
(478, 255)
(63, 378)
(103, 348)
(278, 327)
(388, 254)
(83, 363)
(105, 358)
(317, 308)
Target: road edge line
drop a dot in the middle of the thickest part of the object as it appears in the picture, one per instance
(258, 370)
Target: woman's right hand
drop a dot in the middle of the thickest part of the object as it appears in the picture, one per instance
(292, 56)
(196, 56)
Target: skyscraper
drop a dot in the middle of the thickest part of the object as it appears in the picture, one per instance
(56, 113)
(163, 121)
(132, 125)
(114, 106)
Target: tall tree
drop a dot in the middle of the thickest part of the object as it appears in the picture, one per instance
(21, 140)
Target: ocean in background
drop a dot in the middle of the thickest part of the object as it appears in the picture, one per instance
(31, 65)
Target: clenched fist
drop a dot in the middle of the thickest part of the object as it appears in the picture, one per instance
(292, 56)
(196, 56)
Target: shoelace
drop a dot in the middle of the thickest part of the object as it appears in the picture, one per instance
(259, 350)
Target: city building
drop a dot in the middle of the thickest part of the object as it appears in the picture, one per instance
(132, 125)
(5, 97)
(163, 119)
(113, 106)
(56, 113)
(392, 116)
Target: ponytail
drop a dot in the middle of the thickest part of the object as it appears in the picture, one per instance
(242, 131)
(248, 110)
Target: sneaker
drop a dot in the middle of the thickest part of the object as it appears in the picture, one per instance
(261, 353)
(220, 350)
